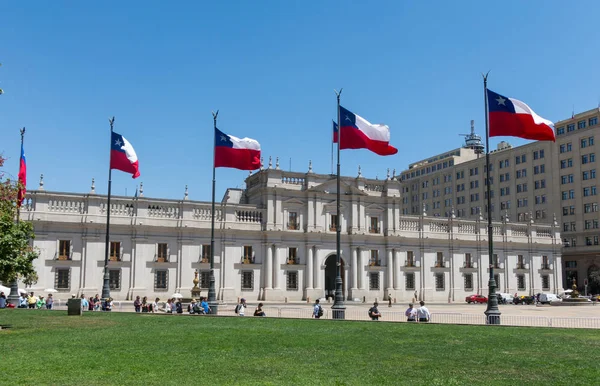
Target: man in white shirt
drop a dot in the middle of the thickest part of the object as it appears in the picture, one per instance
(423, 313)
(241, 308)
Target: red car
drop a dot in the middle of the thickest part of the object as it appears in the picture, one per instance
(476, 299)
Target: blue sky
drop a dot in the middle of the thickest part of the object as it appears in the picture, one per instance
(270, 67)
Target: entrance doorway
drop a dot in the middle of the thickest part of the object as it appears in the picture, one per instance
(331, 274)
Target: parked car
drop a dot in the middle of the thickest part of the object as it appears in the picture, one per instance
(476, 299)
(504, 298)
(548, 298)
(524, 299)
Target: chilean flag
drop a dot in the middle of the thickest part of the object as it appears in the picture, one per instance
(511, 117)
(233, 152)
(122, 155)
(22, 178)
(358, 133)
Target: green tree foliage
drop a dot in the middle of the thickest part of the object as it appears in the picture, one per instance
(16, 253)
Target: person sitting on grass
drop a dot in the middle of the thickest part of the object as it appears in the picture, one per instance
(41, 303)
(204, 306)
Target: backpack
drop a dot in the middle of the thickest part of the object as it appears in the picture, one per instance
(320, 312)
(237, 309)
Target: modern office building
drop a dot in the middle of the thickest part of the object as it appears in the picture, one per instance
(276, 240)
(537, 182)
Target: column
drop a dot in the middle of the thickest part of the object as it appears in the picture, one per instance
(309, 267)
(390, 268)
(276, 268)
(361, 275)
(396, 269)
(268, 265)
(354, 269)
(316, 269)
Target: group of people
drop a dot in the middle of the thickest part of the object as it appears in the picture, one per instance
(240, 309)
(412, 314)
(29, 301)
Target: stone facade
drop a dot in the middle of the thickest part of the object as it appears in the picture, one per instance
(276, 240)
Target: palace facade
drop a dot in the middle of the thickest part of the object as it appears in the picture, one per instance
(276, 240)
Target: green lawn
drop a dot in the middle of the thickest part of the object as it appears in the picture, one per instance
(45, 347)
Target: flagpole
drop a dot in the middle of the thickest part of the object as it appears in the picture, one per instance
(492, 312)
(13, 296)
(339, 309)
(212, 299)
(106, 283)
(332, 142)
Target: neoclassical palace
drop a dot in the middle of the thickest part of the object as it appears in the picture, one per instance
(276, 240)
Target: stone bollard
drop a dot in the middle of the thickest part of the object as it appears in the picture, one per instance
(74, 307)
(286, 299)
(308, 299)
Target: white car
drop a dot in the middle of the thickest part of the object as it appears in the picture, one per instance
(548, 298)
(504, 298)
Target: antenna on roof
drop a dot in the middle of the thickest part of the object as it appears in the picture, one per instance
(473, 141)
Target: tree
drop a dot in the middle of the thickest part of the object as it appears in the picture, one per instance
(16, 252)
(594, 276)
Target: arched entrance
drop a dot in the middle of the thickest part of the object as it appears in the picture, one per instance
(330, 276)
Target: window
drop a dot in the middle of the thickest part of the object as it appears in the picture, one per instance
(247, 258)
(64, 250)
(495, 261)
(374, 228)
(374, 261)
(205, 257)
(468, 261)
(374, 281)
(409, 281)
(570, 264)
(162, 251)
(439, 281)
(333, 223)
(292, 281)
(292, 221)
(546, 283)
(247, 280)
(161, 279)
(539, 169)
(581, 125)
(590, 208)
(540, 184)
(522, 173)
(439, 260)
(593, 121)
(566, 147)
(497, 280)
(410, 259)
(570, 127)
(545, 264)
(540, 199)
(521, 282)
(292, 255)
(114, 279)
(468, 282)
(567, 163)
(204, 279)
(560, 131)
(589, 175)
(63, 279)
(520, 262)
(584, 143)
(115, 251)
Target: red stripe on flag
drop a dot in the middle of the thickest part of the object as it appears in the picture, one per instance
(352, 138)
(519, 125)
(243, 159)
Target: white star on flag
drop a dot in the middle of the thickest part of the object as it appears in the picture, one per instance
(118, 142)
(223, 138)
(501, 101)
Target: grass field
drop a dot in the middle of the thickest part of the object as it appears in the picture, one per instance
(121, 348)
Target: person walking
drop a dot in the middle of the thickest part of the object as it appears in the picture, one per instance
(423, 313)
(317, 310)
(240, 309)
(374, 313)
